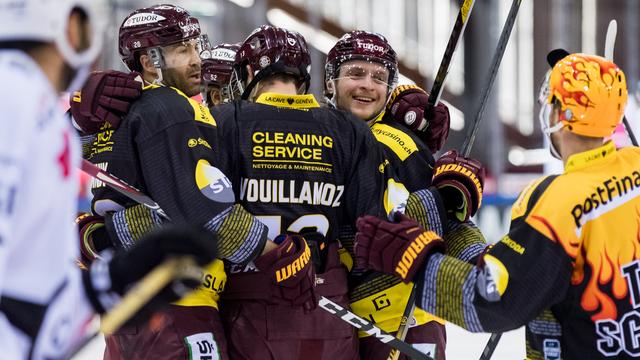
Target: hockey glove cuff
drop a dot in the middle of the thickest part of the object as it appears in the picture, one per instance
(292, 270)
(93, 237)
(105, 98)
(398, 248)
(113, 274)
(460, 182)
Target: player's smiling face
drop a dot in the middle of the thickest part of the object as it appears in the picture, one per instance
(361, 88)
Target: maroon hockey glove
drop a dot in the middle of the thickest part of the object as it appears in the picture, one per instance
(93, 237)
(111, 276)
(398, 248)
(105, 98)
(407, 104)
(459, 181)
(292, 269)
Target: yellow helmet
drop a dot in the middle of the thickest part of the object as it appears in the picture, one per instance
(592, 92)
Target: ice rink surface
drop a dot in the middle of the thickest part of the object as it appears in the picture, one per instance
(461, 345)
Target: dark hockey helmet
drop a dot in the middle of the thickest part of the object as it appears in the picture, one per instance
(155, 26)
(217, 67)
(217, 64)
(271, 50)
(361, 45)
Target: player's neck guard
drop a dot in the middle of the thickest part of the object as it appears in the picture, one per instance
(590, 157)
(306, 101)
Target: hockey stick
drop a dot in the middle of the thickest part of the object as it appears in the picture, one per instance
(366, 326)
(493, 70)
(449, 52)
(434, 97)
(403, 329)
(179, 267)
(471, 134)
(609, 45)
(121, 187)
(491, 346)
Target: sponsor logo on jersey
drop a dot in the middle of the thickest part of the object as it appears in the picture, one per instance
(143, 18)
(290, 151)
(506, 240)
(381, 302)
(607, 196)
(199, 141)
(619, 336)
(102, 141)
(95, 183)
(202, 346)
(411, 253)
(551, 349)
(213, 183)
(493, 279)
(399, 142)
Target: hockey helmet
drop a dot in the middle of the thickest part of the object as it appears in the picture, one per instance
(217, 66)
(271, 50)
(591, 92)
(361, 45)
(48, 20)
(155, 26)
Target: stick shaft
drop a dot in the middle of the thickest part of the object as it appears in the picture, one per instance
(493, 71)
(121, 187)
(450, 50)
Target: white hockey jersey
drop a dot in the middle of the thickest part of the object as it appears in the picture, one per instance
(43, 308)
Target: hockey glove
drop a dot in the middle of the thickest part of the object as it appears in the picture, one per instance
(407, 105)
(460, 182)
(105, 98)
(398, 248)
(111, 275)
(93, 237)
(292, 270)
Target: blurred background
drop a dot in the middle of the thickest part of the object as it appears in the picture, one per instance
(509, 142)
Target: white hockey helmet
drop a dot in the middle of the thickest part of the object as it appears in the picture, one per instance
(47, 21)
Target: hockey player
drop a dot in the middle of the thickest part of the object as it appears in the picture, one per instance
(302, 169)
(217, 66)
(45, 302)
(360, 77)
(569, 266)
(167, 146)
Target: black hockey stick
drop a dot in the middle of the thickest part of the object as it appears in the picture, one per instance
(609, 45)
(366, 326)
(491, 346)
(449, 52)
(121, 187)
(471, 134)
(493, 71)
(434, 96)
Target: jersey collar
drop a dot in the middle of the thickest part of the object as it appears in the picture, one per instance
(306, 101)
(377, 119)
(591, 157)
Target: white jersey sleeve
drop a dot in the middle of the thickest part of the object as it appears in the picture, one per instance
(43, 308)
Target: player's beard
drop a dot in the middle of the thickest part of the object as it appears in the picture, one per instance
(182, 79)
